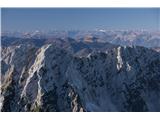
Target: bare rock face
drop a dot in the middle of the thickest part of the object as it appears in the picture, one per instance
(51, 78)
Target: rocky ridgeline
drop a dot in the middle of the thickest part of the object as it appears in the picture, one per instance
(54, 78)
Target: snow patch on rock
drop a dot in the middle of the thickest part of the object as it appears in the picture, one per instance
(119, 59)
(128, 67)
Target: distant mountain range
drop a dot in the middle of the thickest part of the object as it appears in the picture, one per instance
(125, 38)
(87, 71)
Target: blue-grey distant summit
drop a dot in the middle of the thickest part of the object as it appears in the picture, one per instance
(145, 38)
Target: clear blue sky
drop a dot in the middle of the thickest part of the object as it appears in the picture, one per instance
(29, 19)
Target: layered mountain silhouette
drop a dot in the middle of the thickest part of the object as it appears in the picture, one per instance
(39, 74)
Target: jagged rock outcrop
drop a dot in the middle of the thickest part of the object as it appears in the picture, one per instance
(51, 78)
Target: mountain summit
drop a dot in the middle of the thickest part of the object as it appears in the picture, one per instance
(54, 78)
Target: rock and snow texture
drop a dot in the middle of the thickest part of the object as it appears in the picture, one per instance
(120, 62)
(50, 78)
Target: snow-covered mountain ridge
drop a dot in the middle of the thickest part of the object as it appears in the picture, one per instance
(51, 78)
